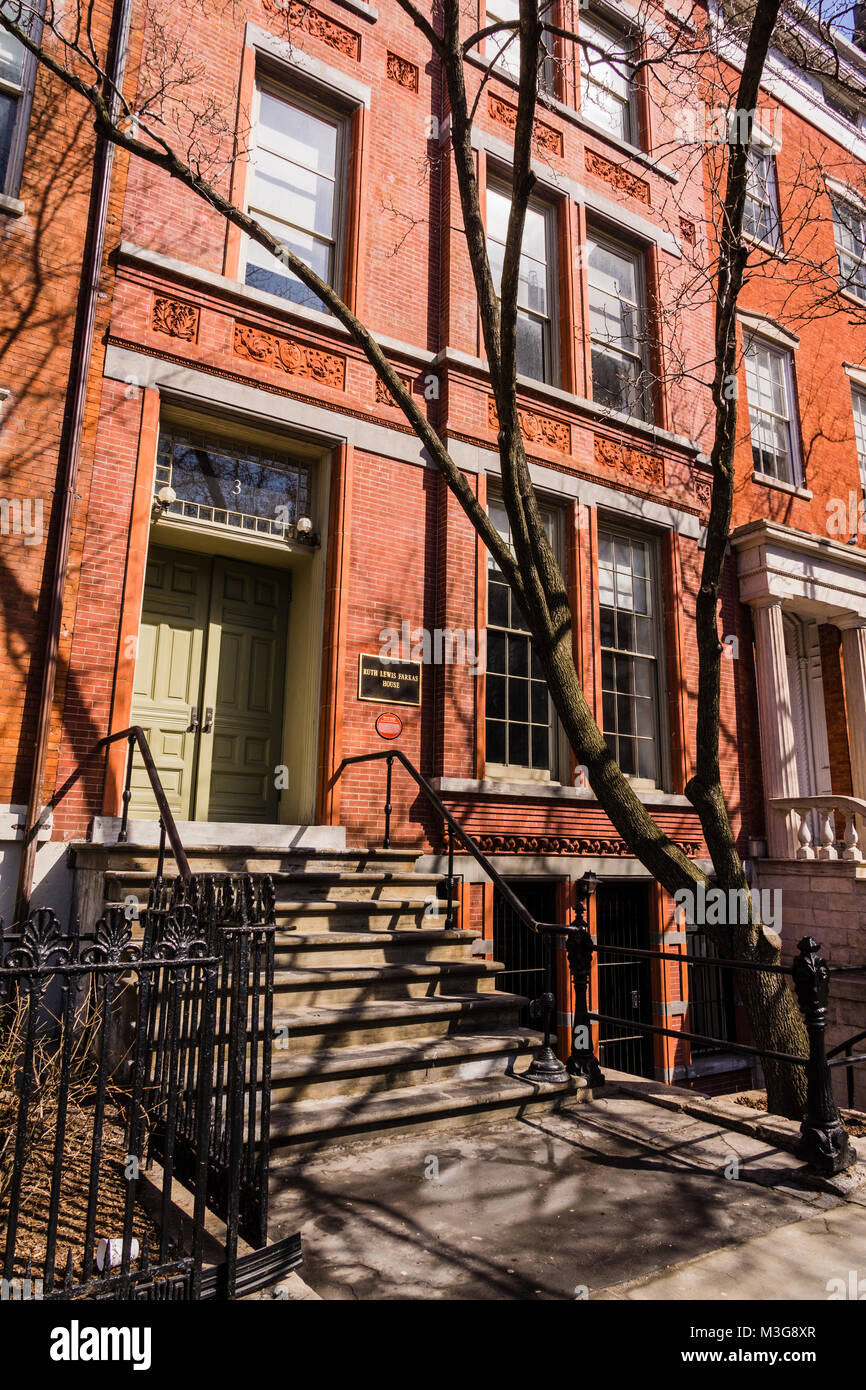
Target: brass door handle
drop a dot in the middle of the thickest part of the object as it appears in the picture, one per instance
(193, 720)
(207, 726)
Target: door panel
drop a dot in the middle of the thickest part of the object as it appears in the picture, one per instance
(213, 635)
(244, 682)
(168, 676)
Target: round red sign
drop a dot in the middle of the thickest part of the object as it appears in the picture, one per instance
(389, 726)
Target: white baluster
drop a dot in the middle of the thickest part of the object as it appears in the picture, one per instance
(804, 835)
(828, 850)
(852, 840)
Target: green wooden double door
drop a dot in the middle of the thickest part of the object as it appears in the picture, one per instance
(209, 686)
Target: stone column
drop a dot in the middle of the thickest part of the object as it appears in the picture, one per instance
(854, 671)
(778, 755)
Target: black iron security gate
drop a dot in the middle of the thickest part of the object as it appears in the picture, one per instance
(624, 983)
(523, 953)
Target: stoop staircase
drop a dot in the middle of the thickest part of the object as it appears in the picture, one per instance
(384, 1017)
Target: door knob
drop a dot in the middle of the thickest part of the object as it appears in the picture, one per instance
(193, 720)
(207, 726)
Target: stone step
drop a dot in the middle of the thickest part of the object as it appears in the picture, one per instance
(393, 1020)
(353, 984)
(304, 886)
(245, 858)
(298, 1126)
(382, 1067)
(299, 949)
(346, 913)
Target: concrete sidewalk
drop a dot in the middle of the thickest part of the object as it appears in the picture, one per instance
(617, 1199)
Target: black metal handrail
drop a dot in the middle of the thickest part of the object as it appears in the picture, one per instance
(455, 831)
(168, 827)
(824, 1140)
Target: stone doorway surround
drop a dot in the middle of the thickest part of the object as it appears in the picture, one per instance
(782, 570)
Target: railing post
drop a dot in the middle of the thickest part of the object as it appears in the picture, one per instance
(545, 1066)
(449, 882)
(386, 844)
(824, 1140)
(579, 949)
(127, 793)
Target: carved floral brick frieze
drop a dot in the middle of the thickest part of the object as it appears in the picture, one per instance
(401, 71)
(617, 177)
(175, 318)
(591, 845)
(688, 231)
(287, 355)
(383, 395)
(299, 15)
(536, 428)
(646, 468)
(702, 489)
(546, 136)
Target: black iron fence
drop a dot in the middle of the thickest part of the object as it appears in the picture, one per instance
(128, 1060)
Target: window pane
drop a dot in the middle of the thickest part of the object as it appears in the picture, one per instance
(530, 347)
(293, 194)
(11, 51)
(297, 134)
(8, 111)
(265, 272)
(770, 414)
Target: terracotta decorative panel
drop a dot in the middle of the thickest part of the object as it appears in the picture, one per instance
(287, 355)
(383, 395)
(609, 453)
(617, 177)
(401, 71)
(688, 231)
(300, 15)
(546, 136)
(536, 428)
(174, 317)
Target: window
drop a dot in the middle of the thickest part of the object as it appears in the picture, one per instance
(504, 47)
(535, 338)
(607, 80)
(617, 327)
(842, 107)
(849, 229)
(229, 483)
(629, 640)
(296, 193)
(17, 70)
(519, 724)
(761, 212)
(770, 381)
(859, 402)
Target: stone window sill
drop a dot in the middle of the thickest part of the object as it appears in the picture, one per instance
(13, 207)
(793, 490)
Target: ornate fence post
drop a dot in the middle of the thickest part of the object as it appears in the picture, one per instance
(579, 947)
(823, 1138)
(545, 1066)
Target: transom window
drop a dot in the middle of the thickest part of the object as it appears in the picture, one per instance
(617, 327)
(761, 211)
(295, 193)
(770, 382)
(535, 356)
(232, 484)
(629, 652)
(520, 723)
(607, 79)
(849, 230)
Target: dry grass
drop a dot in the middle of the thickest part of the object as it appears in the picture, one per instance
(40, 1142)
(853, 1120)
